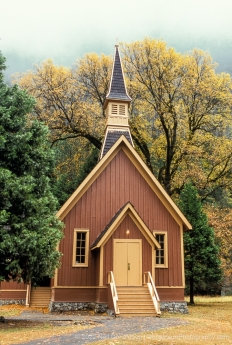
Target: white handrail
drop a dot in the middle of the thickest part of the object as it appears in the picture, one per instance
(153, 291)
(113, 292)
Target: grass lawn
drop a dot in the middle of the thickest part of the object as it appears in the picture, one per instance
(209, 322)
(20, 331)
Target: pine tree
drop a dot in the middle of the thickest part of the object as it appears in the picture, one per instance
(29, 229)
(202, 265)
(2, 66)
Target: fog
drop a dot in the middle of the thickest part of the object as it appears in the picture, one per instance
(31, 31)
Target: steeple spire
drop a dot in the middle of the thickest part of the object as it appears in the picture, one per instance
(117, 90)
(116, 107)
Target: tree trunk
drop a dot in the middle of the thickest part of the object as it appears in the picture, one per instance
(191, 292)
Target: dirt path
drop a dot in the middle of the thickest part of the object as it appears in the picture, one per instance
(106, 327)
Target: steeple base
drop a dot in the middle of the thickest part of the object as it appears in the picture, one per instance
(111, 136)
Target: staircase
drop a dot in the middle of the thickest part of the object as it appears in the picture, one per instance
(135, 301)
(40, 297)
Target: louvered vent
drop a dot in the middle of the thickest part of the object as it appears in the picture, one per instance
(122, 110)
(114, 109)
(118, 109)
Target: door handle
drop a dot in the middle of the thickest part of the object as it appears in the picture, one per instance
(128, 266)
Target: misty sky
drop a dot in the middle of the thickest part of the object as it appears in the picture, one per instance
(33, 30)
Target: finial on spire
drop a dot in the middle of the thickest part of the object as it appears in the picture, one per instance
(117, 89)
(116, 45)
(116, 107)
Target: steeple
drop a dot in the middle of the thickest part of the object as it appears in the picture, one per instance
(116, 107)
(117, 90)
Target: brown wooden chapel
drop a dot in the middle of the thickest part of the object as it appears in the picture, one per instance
(123, 235)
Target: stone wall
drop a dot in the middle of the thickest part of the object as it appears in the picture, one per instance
(78, 306)
(174, 307)
(98, 308)
(12, 301)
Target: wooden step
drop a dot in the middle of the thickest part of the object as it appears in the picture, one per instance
(40, 297)
(134, 296)
(138, 303)
(128, 308)
(138, 314)
(132, 288)
(135, 301)
(128, 305)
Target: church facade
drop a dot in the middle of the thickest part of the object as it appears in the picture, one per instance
(123, 235)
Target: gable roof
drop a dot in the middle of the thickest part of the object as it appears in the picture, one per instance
(127, 209)
(112, 135)
(123, 144)
(117, 90)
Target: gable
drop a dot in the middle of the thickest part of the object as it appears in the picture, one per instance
(119, 150)
(126, 210)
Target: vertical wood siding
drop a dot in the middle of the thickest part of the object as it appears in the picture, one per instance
(171, 295)
(119, 183)
(80, 295)
(10, 295)
(120, 233)
(12, 286)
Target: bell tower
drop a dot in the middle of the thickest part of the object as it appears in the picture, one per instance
(116, 107)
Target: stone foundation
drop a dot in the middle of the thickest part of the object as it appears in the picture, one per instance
(98, 308)
(174, 307)
(12, 301)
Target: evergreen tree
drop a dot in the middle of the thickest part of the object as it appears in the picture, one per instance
(202, 266)
(2, 66)
(29, 229)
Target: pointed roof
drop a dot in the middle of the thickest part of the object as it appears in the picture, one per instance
(127, 209)
(111, 136)
(117, 90)
(123, 144)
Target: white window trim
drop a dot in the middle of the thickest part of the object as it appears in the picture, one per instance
(165, 265)
(74, 263)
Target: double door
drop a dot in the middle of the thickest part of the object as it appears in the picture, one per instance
(127, 262)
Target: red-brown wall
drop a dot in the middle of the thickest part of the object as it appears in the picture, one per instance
(119, 183)
(12, 290)
(119, 233)
(99, 295)
(171, 294)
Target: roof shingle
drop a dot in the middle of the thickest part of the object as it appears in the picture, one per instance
(112, 137)
(108, 225)
(117, 87)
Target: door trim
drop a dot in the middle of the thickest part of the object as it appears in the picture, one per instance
(140, 253)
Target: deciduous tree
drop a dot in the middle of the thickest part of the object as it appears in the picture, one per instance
(180, 113)
(221, 220)
(70, 101)
(190, 110)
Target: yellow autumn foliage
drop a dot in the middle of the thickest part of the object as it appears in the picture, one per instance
(179, 116)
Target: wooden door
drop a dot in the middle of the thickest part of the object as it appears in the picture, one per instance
(127, 262)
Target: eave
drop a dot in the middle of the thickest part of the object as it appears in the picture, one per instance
(123, 144)
(128, 209)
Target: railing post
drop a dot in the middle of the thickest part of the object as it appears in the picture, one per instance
(153, 293)
(28, 295)
(113, 292)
